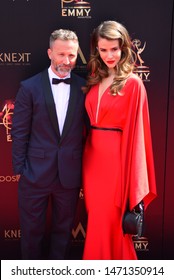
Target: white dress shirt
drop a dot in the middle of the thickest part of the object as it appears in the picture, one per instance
(61, 93)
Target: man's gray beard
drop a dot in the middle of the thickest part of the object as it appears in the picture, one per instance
(62, 71)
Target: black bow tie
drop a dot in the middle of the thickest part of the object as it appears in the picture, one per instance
(57, 81)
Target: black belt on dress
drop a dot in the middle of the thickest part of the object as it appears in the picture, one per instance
(106, 128)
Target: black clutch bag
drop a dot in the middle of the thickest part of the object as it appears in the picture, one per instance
(133, 221)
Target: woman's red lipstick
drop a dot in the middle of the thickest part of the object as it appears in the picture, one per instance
(110, 61)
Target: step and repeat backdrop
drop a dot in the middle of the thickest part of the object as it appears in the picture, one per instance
(25, 27)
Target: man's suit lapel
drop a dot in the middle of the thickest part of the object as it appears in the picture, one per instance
(50, 101)
(71, 107)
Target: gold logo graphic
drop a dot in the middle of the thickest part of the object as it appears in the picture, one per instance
(15, 58)
(81, 195)
(6, 117)
(141, 244)
(79, 230)
(82, 56)
(9, 178)
(141, 70)
(81, 66)
(75, 8)
(12, 234)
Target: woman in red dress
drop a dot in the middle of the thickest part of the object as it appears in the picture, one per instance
(118, 167)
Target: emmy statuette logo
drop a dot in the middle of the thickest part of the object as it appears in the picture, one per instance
(75, 8)
(141, 69)
(6, 118)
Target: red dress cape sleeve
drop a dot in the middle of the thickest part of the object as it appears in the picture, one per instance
(138, 173)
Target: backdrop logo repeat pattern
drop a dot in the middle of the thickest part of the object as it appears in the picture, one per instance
(76, 8)
(141, 69)
(6, 117)
(79, 231)
(15, 58)
(141, 244)
(9, 178)
(12, 234)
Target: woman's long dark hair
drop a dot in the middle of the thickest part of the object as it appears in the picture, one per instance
(110, 30)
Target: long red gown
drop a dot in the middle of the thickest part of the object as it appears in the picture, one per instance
(117, 167)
